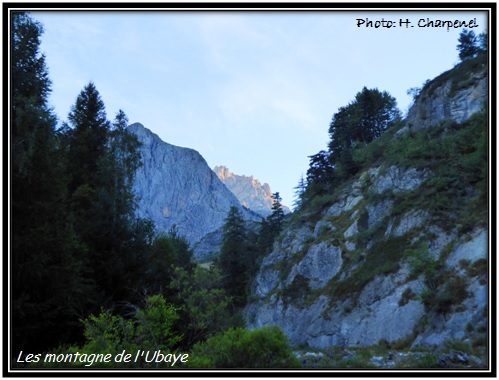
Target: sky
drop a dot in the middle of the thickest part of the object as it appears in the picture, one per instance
(254, 91)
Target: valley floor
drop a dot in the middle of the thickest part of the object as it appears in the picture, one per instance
(456, 355)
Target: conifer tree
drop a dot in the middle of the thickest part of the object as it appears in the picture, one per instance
(320, 174)
(468, 45)
(234, 256)
(88, 140)
(277, 217)
(48, 284)
(102, 160)
(483, 42)
(362, 121)
(300, 190)
(270, 228)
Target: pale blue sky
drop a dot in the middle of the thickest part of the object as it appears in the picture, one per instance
(254, 91)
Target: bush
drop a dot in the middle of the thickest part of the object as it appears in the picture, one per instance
(108, 333)
(150, 329)
(155, 324)
(241, 348)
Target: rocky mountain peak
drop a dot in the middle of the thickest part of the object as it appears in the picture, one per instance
(250, 192)
(175, 186)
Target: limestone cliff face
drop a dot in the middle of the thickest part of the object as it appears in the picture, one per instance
(176, 186)
(250, 192)
(345, 275)
(450, 97)
(317, 283)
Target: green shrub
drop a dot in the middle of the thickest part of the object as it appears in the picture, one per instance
(421, 263)
(242, 348)
(297, 289)
(478, 268)
(155, 324)
(383, 258)
(406, 297)
(149, 329)
(453, 292)
(108, 333)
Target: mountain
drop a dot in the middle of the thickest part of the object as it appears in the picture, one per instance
(399, 252)
(176, 187)
(250, 192)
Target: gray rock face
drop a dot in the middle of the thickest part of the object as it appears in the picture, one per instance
(397, 180)
(321, 263)
(250, 192)
(388, 306)
(439, 102)
(176, 186)
(359, 254)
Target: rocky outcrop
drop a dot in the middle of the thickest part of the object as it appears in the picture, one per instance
(250, 192)
(338, 301)
(375, 265)
(450, 97)
(175, 186)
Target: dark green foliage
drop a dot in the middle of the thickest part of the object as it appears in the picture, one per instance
(407, 296)
(150, 328)
(452, 292)
(365, 119)
(276, 218)
(483, 42)
(203, 306)
(166, 253)
(299, 193)
(241, 348)
(298, 289)
(89, 138)
(47, 275)
(265, 239)
(239, 257)
(468, 45)
(102, 161)
(320, 173)
(421, 263)
(32, 118)
(478, 268)
(362, 121)
(236, 255)
(77, 246)
(155, 325)
(270, 227)
(443, 288)
(457, 156)
(383, 258)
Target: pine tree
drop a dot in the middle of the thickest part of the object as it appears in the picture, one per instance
(468, 45)
(88, 140)
(234, 257)
(270, 228)
(321, 173)
(48, 285)
(102, 161)
(300, 190)
(362, 121)
(276, 218)
(483, 43)
(376, 112)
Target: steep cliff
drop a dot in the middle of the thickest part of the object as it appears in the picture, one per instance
(454, 95)
(175, 186)
(399, 252)
(250, 192)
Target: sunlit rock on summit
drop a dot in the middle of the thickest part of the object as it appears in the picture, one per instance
(250, 192)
